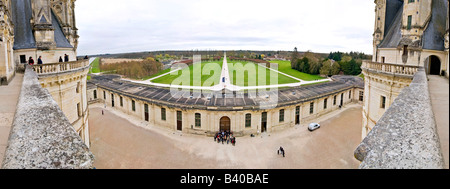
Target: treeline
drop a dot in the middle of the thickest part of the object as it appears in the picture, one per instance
(134, 69)
(337, 63)
(258, 61)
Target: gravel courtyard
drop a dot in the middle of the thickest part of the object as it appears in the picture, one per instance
(120, 143)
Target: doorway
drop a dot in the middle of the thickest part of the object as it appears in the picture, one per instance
(112, 100)
(179, 121)
(297, 115)
(264, 122)
(225, 124)
(146, 114)
(434, 66)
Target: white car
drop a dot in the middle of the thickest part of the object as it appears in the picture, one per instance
(313, 126)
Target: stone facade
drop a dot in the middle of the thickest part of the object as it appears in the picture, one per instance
(47, 29)
(410, 34)
(7, 66)
(207, 120)
(405, 137)
(41, 135)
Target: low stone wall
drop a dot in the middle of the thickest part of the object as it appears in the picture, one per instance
(41, 136)
(405, 137)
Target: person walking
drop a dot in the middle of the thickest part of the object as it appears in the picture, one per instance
(281, 151)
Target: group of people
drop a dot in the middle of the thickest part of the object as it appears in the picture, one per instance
(225, 136)
(31, 61)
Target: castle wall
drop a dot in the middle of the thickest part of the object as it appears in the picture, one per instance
(70, 93)
(210, 118)
(377, 86)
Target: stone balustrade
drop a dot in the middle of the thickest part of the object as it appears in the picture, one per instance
(60, 67)
(405, 137)
(41, 136)
(390, 68)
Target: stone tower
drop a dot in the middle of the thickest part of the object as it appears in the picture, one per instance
(44, 33)
(408, 35)
(64, 11)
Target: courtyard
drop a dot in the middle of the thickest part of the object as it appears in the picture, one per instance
(121, 142)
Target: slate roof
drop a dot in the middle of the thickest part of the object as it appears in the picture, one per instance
(246, 101)
(433, 37)
(24, 37)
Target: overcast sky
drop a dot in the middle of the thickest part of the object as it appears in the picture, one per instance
(115, 26)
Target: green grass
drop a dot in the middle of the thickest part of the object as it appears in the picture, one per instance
(182, 77)
(156, 75)
(250, 73)
(95, 66)
(285, 67)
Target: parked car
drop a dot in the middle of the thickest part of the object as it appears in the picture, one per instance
(313, 126)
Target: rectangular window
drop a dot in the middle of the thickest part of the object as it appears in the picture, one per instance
(23, 59)
(350, 95)
(133, 105)
(248, 120)
(383, 59)
(104, 95)
(411, 1)
(361, 96)
(311, 108)
(334, 100)
(383, 102)
(409, 22)
(121, 101)
(146, 108)
(297, 110)
(163, 114)
(198, 120)
(95, 94)
(281, 118)
(325, 103)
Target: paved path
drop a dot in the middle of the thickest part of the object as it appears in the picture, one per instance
(9, 96)
(439, 93)
(121, 142)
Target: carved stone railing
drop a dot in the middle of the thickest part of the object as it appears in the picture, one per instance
(390, 68)
(60, 67)
(405, 137)
(41, 136)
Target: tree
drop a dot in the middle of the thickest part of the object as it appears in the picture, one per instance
(315, 68)
(330, 68)
(294, 58)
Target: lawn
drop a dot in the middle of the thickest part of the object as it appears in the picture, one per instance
(248, 74)
(208, 75)
(95, 66)
(285, 67)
